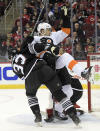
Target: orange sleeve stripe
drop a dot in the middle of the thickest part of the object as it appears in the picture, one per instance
(66, 30)
(72, 64)
(41, 53)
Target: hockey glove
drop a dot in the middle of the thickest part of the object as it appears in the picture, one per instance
(87, 73)
(54, 50)
(29, 39)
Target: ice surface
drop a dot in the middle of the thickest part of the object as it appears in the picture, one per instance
(15, 114)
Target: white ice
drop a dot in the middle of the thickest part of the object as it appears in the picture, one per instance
(15, 114)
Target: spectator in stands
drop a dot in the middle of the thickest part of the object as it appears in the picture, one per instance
(9, 41)
(88, 42)
(78, 52)
(59, 9)
(75, 19)
(26, 15)
(98, 32)
(15, 28)
(67, 45)
(81, 13)
(75, 38)
(33, 20)
(81, 18)
(91, 18)
(25, 34)
(30, 8)
(55, 19)
(17, 35)
(18, 45)
(2, 8)
(3, 48)
(89, 30)
(27, 27)
(34, 16)
(98, 28)
(24, 21)
(0, 43)
(91, 49)
(80, 32)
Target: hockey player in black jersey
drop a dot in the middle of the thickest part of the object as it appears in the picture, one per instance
(34, 71)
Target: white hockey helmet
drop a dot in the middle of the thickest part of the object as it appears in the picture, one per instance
(43, 26)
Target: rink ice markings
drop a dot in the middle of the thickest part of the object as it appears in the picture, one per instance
(26, 121)
(22, 118)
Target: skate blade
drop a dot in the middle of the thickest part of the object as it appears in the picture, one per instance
(79, 126)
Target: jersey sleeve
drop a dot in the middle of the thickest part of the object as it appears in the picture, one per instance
(18, 65)
(60, 35)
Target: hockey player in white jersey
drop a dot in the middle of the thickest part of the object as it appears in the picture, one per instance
(46, 42)
(45, 46)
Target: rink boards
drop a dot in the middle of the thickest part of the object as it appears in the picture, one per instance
(8, 80)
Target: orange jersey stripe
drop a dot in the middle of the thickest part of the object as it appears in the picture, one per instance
(72, 64)
(41, 53)
(66, 30)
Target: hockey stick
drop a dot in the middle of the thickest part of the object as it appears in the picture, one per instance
(44, 5)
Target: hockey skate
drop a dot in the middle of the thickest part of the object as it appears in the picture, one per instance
(79, 111)
(50, 117)
(57, 116)
(87, 73)
(60, 116)
(38, 119)
(72, 113)
(74, 118)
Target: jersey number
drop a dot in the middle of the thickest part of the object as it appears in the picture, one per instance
(19, 63)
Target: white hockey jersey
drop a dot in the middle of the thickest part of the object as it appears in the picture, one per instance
(57, 37)
(64, 60)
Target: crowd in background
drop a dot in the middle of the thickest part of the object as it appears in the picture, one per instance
(59, 14)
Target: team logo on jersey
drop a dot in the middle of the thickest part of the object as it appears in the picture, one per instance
(46, 41)
(49, 41)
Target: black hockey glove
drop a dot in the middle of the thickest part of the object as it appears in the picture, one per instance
(29, 39)
(38, 47)
(24, 45)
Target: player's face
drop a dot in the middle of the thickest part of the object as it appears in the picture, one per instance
(46, 32)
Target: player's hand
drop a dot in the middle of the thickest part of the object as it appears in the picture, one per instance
(55, 50)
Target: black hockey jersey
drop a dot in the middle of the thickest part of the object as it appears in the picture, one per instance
(23, 62)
